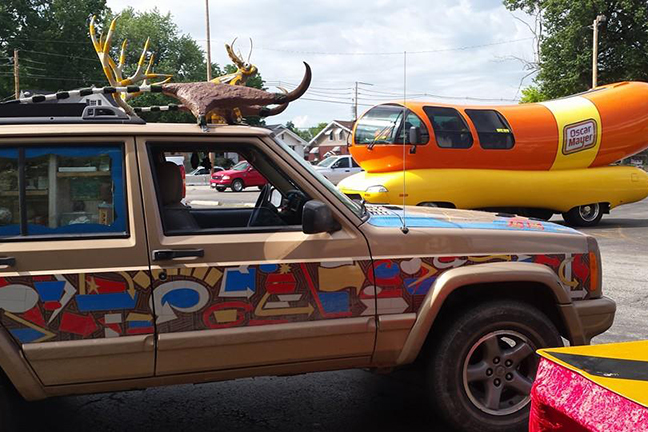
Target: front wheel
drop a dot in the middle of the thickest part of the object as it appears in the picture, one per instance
(482, 368)
(237, 185)
(584, 216)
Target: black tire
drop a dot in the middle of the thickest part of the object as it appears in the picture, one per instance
(220, 189)
(588, 215)
(11, 403)
(460, 392)
(237, 185)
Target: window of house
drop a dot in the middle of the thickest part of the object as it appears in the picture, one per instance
(62, 191)
(493, 130)
(251, 196)
(450, 128)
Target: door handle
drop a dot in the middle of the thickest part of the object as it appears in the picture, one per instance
(169, 254)
(7, 262)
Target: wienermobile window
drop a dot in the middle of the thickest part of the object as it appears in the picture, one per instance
(449, 127)
(384, 125)
(492, 129)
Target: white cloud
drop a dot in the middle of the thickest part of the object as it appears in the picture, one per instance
(287, 32)
(300, 121)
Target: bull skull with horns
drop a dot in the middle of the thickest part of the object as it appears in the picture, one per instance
(223, 97)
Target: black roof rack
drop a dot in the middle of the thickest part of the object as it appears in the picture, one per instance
(63, 113)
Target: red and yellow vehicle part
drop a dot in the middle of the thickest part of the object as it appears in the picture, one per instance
(558, 160)
(559, 190)
(586, 388)
(593, 129)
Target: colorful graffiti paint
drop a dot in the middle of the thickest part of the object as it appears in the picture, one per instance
(104, 305)
(80, 306)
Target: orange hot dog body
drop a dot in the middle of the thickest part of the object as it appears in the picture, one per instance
(618, 113)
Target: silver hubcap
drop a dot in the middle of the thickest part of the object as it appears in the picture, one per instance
(237, 186)
(589, 212)
(498, 372)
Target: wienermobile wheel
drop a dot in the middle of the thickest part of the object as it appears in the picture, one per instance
(587, 215)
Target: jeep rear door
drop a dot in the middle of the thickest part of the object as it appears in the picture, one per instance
(239, 285)
(74, 276)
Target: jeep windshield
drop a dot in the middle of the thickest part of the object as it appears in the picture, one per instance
(384, 125)
(358, 209)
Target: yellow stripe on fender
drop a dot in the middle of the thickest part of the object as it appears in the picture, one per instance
(579, 132)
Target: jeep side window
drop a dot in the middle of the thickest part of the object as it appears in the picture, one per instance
(68, 191)
(250, 195)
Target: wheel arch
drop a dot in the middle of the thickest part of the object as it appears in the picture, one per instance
(17, 369)
(534, 284)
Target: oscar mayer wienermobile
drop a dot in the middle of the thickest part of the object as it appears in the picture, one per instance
(533, 159)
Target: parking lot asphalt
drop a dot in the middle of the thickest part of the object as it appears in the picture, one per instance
(338, 401)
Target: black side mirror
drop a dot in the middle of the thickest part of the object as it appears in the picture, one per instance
(317, 218)
(414, 138)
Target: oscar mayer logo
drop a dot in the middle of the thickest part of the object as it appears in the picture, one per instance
(579, 136)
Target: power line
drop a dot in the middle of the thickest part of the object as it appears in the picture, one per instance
(46, 77)
(387, 96)
(335, 102)
(377, 53)
(395, 52)
(58, 55)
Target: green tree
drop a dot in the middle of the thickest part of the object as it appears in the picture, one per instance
(532, 94)
(317, 129)
(55, 51)
(566, 43)
(175, 53)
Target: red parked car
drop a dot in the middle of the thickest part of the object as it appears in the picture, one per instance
(241, 175)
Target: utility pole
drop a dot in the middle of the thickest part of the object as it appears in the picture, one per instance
(209, 71)
(355, 100)
(16, 75)
(599, 19)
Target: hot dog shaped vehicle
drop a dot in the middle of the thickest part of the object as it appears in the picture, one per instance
(534, 159)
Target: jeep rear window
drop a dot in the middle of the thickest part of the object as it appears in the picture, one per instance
(62, 191)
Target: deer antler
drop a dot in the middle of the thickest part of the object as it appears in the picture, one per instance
(236, 59)
(114, 71)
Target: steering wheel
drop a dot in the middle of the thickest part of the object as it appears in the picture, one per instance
(292, 205)
(264, 213)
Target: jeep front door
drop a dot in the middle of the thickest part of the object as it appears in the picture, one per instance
(238, 284)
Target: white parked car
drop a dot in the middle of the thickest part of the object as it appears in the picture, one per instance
(337, 168)
(200, 176)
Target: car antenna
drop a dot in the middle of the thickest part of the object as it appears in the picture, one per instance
(404, 228)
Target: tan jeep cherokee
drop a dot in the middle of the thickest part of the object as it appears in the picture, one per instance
(114, 275)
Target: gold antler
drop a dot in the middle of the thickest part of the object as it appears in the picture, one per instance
(114, 71)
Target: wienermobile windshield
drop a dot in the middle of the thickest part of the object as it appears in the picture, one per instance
(384, 125)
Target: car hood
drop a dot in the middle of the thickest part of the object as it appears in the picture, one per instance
(227, 172)
(434, 217)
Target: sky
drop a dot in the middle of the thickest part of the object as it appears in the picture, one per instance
(456, 49)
